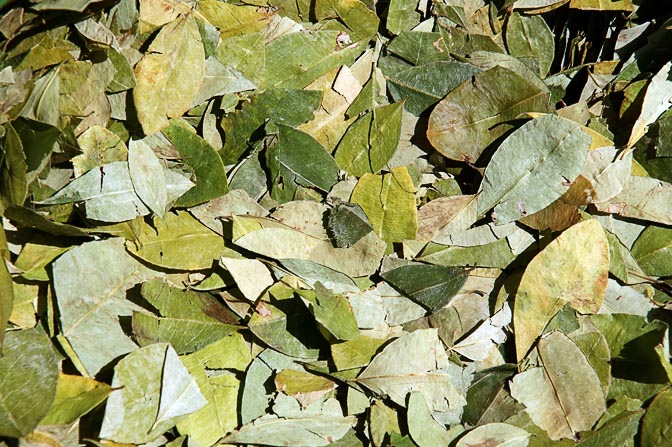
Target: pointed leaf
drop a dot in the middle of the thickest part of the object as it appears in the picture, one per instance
(518, 181)
(572, 269)
(474, 114)
(148, 176)
(169, 76)
(205, 163)
(371, 141)
(389, 202)
(432, 286)
(178, 241)
(94, 307)
(28, 368)
(179, 392)
(565, 396)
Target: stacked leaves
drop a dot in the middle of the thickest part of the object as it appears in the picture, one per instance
(338, 222)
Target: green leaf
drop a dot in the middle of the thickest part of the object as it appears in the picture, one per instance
(495, 435)
(279, 242)
(653, 251)
(100, 146)
(75, 397)
(312, 431)
(424, 85)
(476, 113)
(529, 39)
(655, 429)
(321, 52)
(147, 176)
(233, 19)
(389, 202)
(358, 18)
(96, 306)
(333, 313)
(207, 167)
(178, 241)
(297, 159)
(432, 286)
(147, 381)
(370, 142)
(347, 224)
(572, 269)
(290, 107)
(219, 416)
(564, 396)
(28, 368)
(517, 183)
(402, 16)
(169, 76)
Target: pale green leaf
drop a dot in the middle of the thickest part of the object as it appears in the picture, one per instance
(148, 176)
(313, 431)
(425, 369)
(564, 396)
(424, 430)
(475, 113)
(96, 306)
(180, 394)
(178, 241)
(28, 377)
(169, 76)
(280, 242)
(389, 202)
(518, 181)
(569, 270)
(495, 435)
(251, 275)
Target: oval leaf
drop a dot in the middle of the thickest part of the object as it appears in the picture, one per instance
(534, 167)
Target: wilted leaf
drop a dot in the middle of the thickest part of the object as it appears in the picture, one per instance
(148, 177)
(141, 380)
(75, 396)
(309, 431)
(495, 435)
(655, 430)
(425, 369)
(370, 142)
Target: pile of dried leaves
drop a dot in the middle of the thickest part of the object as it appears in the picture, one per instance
(336, 222)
